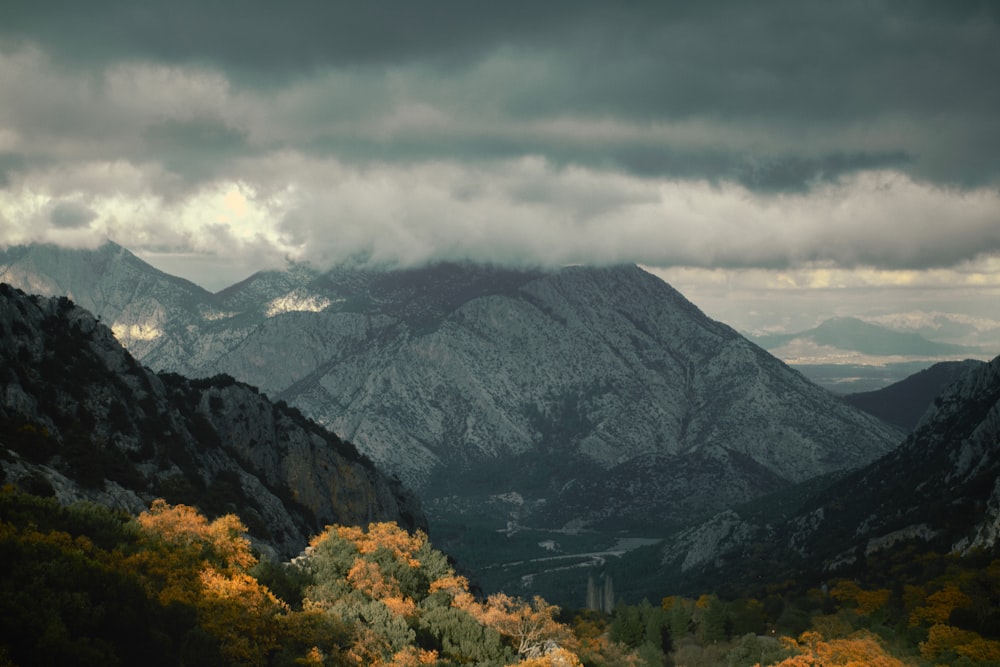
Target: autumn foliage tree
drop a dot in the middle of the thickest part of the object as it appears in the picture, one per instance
(177, 544)
(410, 607)
(372, 579)
(860, 650)
(864, 602)
(530, 626)
(946, 644)
(938, 606)
(190, 560)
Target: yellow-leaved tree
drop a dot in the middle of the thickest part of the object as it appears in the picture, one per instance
(861, 649)
(531, 626)
(938, 606)
(946, 643)
(185, 558)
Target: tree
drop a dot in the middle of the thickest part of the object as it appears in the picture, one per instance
(947, 643)
(752, 649)
(242, 614)
(863, 602)
(938, 607)
(862, 649)
(178, 543)
(557, 657)
(529, 625)
(205, 565)
(628, 626)
(679, 616)
(712, 620)
(400, 595)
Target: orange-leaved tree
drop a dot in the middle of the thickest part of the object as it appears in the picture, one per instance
(947, 643)
(864, 602)
(938, 606)
(530, 625)
(185, 558)
(862, 649)
(177, 543)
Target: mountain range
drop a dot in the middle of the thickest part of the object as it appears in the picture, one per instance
(596, 396)
(849, 355)
(938, 492)
(856, 335)
(80, 419)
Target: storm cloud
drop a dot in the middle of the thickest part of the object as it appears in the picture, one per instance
(727, 135)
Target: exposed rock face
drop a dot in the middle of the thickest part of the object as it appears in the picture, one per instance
(602, 391)
(81, 419)
(707, 541)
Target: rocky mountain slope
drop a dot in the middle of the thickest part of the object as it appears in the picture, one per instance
(939, 490)
(81, 419)
(144, 307)
(903, 403)
(595, 394)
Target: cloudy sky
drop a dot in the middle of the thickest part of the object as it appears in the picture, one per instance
(778, 161)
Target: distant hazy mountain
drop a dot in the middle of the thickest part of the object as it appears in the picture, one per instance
(850, 333)
(939, 490)
(598, 395)
(80, 419)
(905, 402)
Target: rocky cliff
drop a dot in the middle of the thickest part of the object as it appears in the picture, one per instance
(81, 419)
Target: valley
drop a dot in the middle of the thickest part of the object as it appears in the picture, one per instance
(561, 431)
(852, 378)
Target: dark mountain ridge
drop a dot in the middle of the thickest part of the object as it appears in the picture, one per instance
(903, 403)
(81, 419)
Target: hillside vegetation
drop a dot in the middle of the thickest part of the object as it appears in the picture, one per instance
(86, 585)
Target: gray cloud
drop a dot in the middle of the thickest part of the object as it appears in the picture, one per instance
(798, 173)
(262, 37)
(71, 215)
(727, 134)
(819, 71)
(196, 150)
(9, 164)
